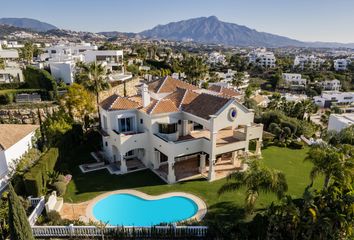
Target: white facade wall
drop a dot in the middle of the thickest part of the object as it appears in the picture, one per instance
(337, 122)
(9, 156)
(63, 71)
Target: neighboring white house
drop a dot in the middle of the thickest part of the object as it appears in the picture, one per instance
(328, 97)
(178, 131)
(341, 64)
(337, 122)
(261, 100)
(216, 58)
(294, 80)
(62, 60)
(331, 85)
(226, 79)
(112, 60)
(262, 57)
(309, 61)
(15, 140)
(11, 71)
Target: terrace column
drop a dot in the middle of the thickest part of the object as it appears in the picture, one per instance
(234, 157)
(123, 164)
(156, 161)
(202, 163)
(212, 155)
(171, 177)
(258, 147)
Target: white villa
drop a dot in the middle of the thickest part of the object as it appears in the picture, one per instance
(226, 79)
(216, 58)
(328, 97)
(341, 64)
(309, 61)
(331, 85)
(337, 122)
(294, 80)
(15, 140)
(178, 131)
(11, 71)
(262, 57)
(62, 61)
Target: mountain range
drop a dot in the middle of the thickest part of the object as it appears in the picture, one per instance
(28, 23)
(208, 30)
(212, 30)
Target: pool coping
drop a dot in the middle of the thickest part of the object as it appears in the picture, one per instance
(201, 212)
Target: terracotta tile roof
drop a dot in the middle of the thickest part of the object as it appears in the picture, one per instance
(205, 105)
(164, 106)
(259, 99)
(148, 108)
(169, 85)
(116, 102)
(10, 134)
(228, 92)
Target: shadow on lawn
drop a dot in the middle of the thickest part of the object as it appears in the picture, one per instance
(229, 221)
(102, 181)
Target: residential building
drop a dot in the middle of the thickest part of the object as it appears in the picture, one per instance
(331, 85)
(226, 79)
(113, 62)
(261, 100)
(178, 131)
(337, 122)
(327, 98)
(216, 58)
(294, 80)
(11, 70)
(225, 91)
(15, 140)
(341, 64)
(262, 57)
(308, 61)
(62, 60)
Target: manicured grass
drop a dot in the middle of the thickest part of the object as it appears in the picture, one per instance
(84, 187)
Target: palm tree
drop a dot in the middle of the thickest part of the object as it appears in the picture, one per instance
(256, 179)
(94, 78)
(237, 79)
(333, 163)
(195, 68)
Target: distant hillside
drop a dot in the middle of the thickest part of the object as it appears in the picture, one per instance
(212, 30)
(28, 23)
(7, 29)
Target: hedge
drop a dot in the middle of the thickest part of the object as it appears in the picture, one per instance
(8, 96)
(39, 78)
(14, 85)
(36, 178)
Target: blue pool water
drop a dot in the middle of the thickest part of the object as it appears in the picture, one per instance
(130, 210)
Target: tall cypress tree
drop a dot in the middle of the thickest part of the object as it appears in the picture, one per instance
(20, 228)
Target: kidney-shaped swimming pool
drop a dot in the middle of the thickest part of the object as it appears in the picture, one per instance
(125, 209)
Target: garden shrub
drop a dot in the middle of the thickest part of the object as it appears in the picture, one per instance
(60, 188)
(14, 85)
(33, 183)
(54, 217)
(61, 178)
(39, 78)
(36, 178)
(296, 145)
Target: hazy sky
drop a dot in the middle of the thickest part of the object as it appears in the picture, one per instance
(307, 20)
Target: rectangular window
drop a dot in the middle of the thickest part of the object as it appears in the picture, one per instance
(104, 122)
(167, 128)
(125, 125)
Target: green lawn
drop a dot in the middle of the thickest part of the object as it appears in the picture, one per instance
(86, 186)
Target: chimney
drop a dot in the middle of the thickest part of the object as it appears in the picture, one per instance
(145, 95)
